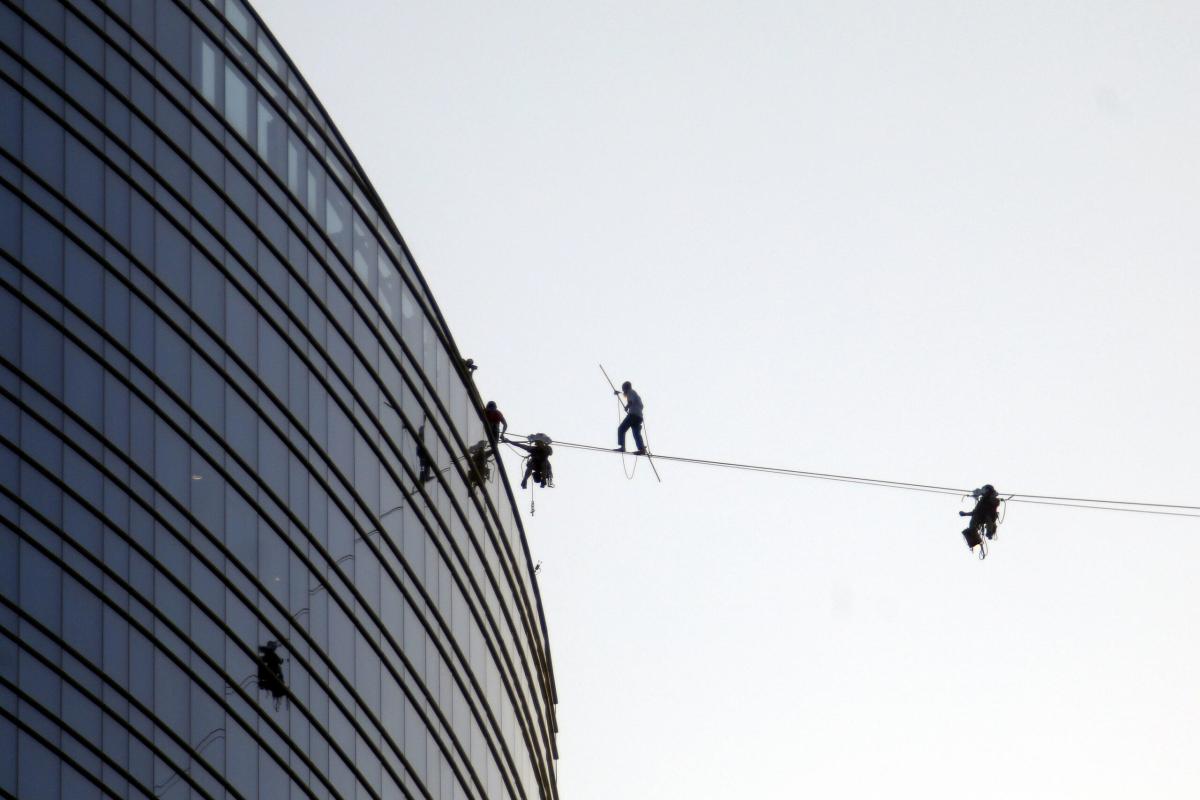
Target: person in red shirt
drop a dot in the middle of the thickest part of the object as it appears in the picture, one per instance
(495, 420)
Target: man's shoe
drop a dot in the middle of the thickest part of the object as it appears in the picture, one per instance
(641, 451)
(522, 484)
(618, 449)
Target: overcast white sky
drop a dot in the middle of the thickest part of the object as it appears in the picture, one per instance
(941, 242)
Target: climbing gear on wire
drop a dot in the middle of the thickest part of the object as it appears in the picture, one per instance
(982, 527)
(537, 463)
(1003, 513)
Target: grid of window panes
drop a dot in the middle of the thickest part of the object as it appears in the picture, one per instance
(218, 365)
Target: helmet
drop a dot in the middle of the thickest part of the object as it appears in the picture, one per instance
(989, 489)
(491, 406)
(626, 386)
(540, 437)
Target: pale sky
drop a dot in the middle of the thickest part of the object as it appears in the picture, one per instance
(940, 242)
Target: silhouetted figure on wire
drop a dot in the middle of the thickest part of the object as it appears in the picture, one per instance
(633, 419)
(983, 517)
(270, 672)
(538, 463)
(478, 471)
(495, 420)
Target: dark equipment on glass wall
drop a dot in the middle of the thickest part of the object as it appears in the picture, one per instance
(478, 472)
(270, 672)
(470, 366)
(423, 460)
(495, 420)
(981, 528)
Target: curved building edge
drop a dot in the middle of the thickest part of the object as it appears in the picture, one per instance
(523, 625)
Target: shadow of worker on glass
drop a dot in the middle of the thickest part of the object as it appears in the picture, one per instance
(270, 672)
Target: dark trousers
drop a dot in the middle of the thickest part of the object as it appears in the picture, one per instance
(983, 525)
(541, 472)
(634, 422)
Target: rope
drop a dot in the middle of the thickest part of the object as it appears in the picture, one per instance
(1127, 506)
(524, 457)
(1021, 499)
(646, 435)
(1031, 497)
(212, 736)
(776, 470)
(629, 475)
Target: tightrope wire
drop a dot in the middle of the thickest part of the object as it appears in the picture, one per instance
(1127, 506)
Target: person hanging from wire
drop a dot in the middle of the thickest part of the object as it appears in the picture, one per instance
(983, 517)
(633, 419)
(537, 464)
(497, 424)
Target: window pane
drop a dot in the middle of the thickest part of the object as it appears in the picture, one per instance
(237, 101)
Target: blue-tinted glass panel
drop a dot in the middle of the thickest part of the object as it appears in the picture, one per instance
(202, 455)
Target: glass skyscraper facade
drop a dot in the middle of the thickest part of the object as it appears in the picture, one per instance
(243, 552)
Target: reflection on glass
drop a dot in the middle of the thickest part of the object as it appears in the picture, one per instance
(316, 185)
(364, 253)
(293, 168)
(337, 217)
(208, 71)
(237, 101)
(389, 289)
(237, 17)
(270, 140)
